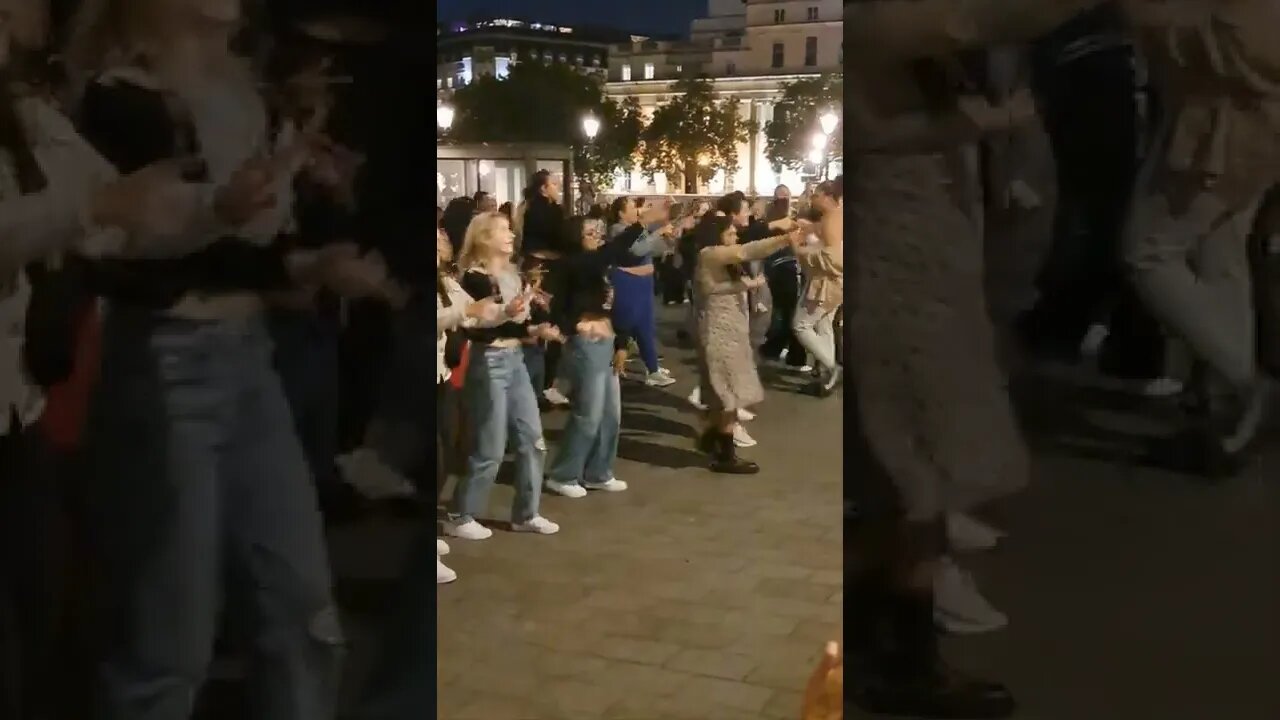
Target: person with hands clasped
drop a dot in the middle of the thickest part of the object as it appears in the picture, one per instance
(500, 398)
(596, 356)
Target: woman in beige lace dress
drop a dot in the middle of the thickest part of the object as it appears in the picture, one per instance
(730, 381)
(938, 429)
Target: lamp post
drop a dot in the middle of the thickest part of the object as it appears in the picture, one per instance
(590, 128)
(828, 121)
(818, 153)
(444, 117)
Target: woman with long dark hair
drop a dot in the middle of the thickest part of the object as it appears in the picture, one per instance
(596, 355)
(540, 232)
(726, 358)
(928, 389)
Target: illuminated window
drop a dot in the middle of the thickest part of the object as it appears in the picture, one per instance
(626, 73)
(501, 67)
(648, 71)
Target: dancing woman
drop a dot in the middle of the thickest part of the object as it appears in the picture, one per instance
(500, 397)
(204, 487)
(928, 390)
(730, 381)
(596, 356)
(633, 309)
(454, 311)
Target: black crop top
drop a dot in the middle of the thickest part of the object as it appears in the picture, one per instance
(585, 282)
(132, 127)
(479, 285)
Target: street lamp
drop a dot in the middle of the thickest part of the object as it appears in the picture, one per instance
(444, 117)
(829, 120)
(590, 127)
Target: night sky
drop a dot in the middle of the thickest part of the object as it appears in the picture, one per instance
(640, 16)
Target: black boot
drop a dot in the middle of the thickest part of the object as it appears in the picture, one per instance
(726, 458)
(910, 679)
(707, 441)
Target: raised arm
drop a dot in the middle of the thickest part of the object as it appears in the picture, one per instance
(740, 253)
(901, 30)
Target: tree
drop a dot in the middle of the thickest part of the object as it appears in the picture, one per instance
(693, 136)
(788, 136)
(546, 104)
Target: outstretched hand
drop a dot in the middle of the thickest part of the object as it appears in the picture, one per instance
(824, 695)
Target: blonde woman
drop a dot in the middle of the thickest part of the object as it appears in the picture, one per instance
(204, 487)
(499, 396)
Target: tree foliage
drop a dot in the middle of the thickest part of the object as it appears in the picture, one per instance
(693, 136)
(795, 120)
(539, 103)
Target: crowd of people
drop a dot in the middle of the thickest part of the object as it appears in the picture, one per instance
(538, 310)
(1130, 141)
(179, 228)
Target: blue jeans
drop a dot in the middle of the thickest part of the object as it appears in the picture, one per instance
(500, 401)
(590, 442)
(204, 490)
(535, 361)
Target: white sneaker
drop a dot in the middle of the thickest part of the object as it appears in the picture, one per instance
(659, 378)
(958, 607)
(555, 397)
(469, 530)
(442, 547)
(610, 485)
(968, 534)
(569, 490)
(745, 415)
(695, 398)
(444, 575)
(536, 524)
(372, 478)
(741, 438)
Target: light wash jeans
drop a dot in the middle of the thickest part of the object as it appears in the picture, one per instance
(204, 491)
(590, 442)
(813, 328)
(500, 401)
(1190, 266)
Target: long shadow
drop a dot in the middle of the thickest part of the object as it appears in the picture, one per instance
(639, 420)
(648, 453)
(1056, 416)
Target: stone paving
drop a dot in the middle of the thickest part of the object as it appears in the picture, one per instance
(691, 595)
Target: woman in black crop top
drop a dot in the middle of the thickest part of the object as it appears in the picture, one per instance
(199, 465)
(499, 396)
(595, 355)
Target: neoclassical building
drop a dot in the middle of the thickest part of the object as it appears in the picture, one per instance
(750, 49)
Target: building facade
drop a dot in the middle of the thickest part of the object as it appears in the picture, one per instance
(470, 50)
(750, 50)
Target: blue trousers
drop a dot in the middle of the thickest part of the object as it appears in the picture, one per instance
(633, 313)
(204, 491)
